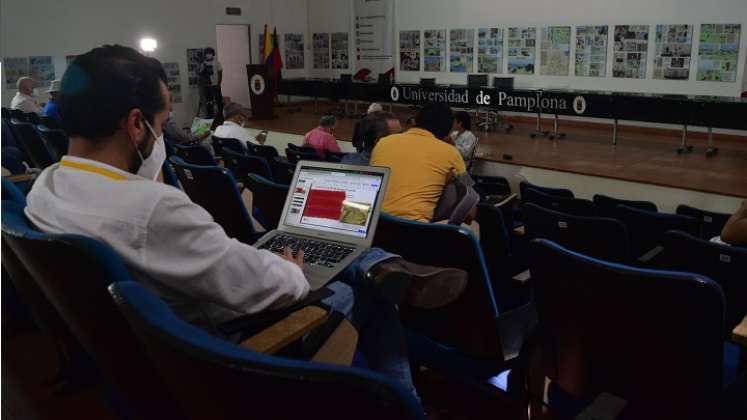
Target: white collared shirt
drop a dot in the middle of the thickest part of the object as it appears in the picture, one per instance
(231, 130)
(170, 244)
(25, 103)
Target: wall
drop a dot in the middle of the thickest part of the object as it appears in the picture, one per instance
(79, 25)
(448, 14)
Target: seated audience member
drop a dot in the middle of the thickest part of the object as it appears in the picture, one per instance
(464, 140)
(395, 127)
(420, 161)
(367, 132)
(322, 138)
(735, 230)
(51, 109)
(104, 189)
(374, 107)
(235, 117)
(24, 99)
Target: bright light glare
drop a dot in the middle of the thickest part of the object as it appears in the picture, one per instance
(148, 44)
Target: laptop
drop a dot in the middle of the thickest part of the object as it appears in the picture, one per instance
(331, 212)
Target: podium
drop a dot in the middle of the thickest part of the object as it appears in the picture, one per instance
(261, 90)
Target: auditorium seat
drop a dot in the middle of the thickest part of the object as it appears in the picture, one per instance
(647, 228)
(282, 170)
(54, 261)
(653, 338)
(12, 193)
(50, 122)
(56, 141)
(31, 143)
(213, 378)
(169, 175)
(241, 165)
(303, 149)
(597, 237)
(294, 155)
(491, 185)
(606, 205)
(269, 198)
(574, 206)
(333, 156)
(195, 155)
(471, 338)
(215, 190)
(265, 151)
(220, 144)
(726, 265)
(557, 192)
(711, 223)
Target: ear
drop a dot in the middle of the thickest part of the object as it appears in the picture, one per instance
(133, 125)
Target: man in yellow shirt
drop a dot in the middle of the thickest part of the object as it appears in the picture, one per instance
(420, 161)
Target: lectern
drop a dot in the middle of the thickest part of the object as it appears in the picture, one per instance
(261, 90)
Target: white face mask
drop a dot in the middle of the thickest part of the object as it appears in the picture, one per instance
(151, 166)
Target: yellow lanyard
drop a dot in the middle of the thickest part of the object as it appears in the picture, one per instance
(95, 169)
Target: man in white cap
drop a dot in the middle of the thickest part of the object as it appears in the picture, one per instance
(24, 99)
(51, 109)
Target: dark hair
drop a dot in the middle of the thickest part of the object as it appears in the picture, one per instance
(102, 86)
(158, 69)
(387, 115)
(464, 118)
(436, 118)
(368, 131)
(209, 50)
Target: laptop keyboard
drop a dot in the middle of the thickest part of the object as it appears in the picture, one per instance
(325, 254)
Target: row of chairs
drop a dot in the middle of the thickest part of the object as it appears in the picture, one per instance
(40, 145)
(150, 358)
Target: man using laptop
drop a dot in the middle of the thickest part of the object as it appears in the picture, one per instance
(113, 104)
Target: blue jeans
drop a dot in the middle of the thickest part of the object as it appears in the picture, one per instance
(381, 337)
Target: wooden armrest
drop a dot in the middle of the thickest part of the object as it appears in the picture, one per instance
(519, 231)
(509, 198)
(286, 331)
(604, 407)
(340, 346)
(739, 335)
(650, 255)
(21, 177)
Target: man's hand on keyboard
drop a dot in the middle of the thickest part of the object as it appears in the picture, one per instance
(288, 255)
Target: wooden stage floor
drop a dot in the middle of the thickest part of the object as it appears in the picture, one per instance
(642, 154)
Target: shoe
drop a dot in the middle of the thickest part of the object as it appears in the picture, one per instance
(420, 286)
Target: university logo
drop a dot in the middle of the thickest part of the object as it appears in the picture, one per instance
(394, 94)
(257, 84)
(579, 104)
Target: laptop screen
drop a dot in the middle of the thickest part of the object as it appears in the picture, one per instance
(334, 200)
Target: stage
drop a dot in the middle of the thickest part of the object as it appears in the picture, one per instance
(643, 155)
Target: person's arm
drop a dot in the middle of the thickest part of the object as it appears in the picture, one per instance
(331, 144)
(186, 250)
(219, 68)
(463, 143)
(735, 230)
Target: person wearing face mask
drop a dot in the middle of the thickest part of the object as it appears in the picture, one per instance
(104, 189)
(24, 99)
(211, 77)
(234, 125)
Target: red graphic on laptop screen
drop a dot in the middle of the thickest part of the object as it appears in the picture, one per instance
(324, 204)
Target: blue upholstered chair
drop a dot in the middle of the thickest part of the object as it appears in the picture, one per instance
(56, 140)
(222, 144)
(241, 165)
(653, 338)
(215, 190)
(646, 229)
(282, 170)
(574, 206)
(73, 273)
(711, 222)
(606, 205)
(597, 237)
(269, 198)
(472, 338)
(212, 378)
(194, 154)
(726, 265)
(266, 151)
(296, 155)
(491, 185)
(31, 143)
(556, 192)
(12, 193)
